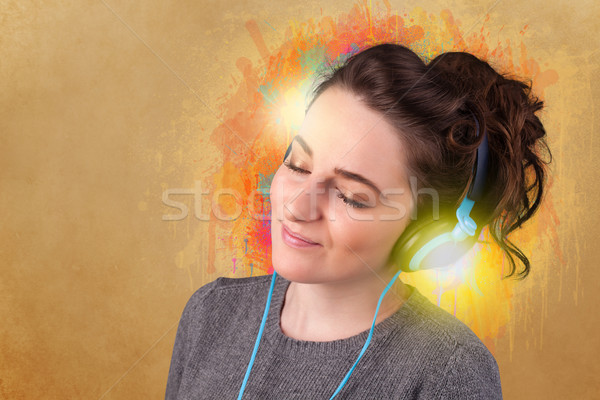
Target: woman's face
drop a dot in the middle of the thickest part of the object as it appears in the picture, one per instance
(342, 149)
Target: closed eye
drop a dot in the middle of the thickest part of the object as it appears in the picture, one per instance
(294, 168)
(340, 195)
(351, 202)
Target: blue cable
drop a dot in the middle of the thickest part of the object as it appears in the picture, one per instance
(389, 285)
(260, 332)
(262, 326)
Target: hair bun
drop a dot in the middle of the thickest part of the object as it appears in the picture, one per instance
(507, 108)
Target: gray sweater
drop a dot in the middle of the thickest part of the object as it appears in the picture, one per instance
(420, 352)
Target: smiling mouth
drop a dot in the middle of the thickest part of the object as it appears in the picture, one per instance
(294, 240)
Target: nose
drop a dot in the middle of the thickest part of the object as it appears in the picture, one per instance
(305, 202)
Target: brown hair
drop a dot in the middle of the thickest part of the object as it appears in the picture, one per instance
(432, 105)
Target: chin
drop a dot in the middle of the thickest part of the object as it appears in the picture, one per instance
(292, 269)
(286, 263)
(288, 268)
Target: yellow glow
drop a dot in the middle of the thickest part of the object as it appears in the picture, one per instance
(292, 111)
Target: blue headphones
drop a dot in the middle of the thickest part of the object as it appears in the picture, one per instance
(433, 244)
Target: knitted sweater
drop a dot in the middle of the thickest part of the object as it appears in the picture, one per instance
(419, 352)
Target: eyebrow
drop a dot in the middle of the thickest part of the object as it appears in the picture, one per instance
(338, 171)
(304, 145)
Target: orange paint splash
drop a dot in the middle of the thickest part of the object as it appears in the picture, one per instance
(255, 132)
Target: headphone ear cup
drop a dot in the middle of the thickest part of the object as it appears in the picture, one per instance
(421, 232)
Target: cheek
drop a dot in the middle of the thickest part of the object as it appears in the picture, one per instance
(275, 190)
(372, 240)
(279, 193)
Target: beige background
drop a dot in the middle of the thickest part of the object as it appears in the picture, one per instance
(102, 105)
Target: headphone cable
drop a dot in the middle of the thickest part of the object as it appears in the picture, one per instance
(262, 326)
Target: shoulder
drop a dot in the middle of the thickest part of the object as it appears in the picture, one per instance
(432, 321)
(250, 282)
(471, 373)
(206, 295)
(222, 283)
(465, 369)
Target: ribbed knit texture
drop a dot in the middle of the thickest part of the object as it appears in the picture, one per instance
(419, 352)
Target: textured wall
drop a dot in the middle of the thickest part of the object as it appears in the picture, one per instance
(105, 105)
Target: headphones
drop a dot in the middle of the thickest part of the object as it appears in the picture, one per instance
(436, 243)
(428, 244)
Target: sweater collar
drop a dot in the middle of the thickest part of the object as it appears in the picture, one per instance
(287, 346)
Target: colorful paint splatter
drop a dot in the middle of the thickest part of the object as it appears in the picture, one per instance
(260, 119)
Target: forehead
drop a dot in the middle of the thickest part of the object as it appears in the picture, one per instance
(343, 132)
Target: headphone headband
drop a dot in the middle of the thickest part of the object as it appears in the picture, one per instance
(477, 186)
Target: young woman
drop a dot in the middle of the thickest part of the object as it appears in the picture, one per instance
(389, 150)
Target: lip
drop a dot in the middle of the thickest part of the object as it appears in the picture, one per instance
(295, 240)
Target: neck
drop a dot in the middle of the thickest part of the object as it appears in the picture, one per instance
(338, 310)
